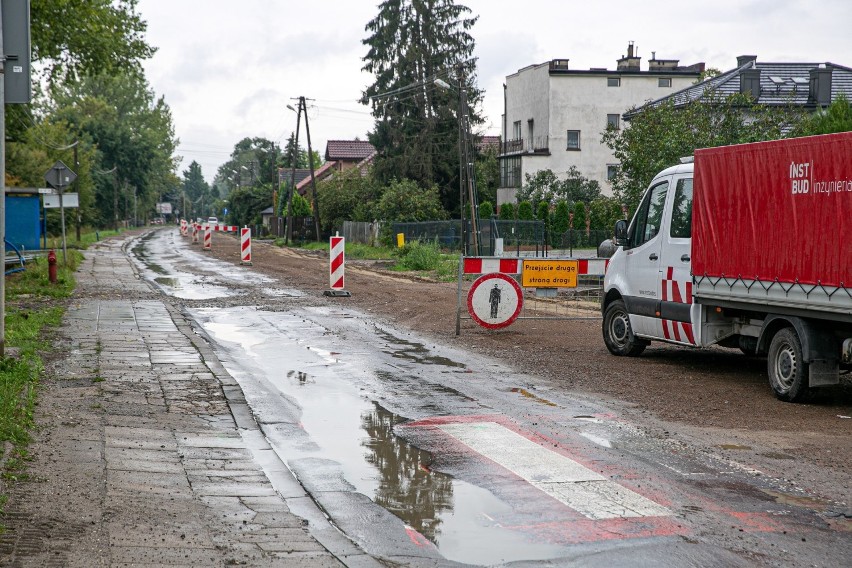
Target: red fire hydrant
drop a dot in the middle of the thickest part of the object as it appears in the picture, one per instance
(51, 266)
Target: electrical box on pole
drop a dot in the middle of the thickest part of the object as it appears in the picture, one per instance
(16, 48)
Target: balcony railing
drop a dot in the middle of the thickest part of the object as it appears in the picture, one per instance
(534, 145)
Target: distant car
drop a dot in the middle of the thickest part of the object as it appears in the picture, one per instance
(212, 221)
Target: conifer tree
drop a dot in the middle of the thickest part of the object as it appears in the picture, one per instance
(416, 48)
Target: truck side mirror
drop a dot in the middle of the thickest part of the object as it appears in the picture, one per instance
(621, 232)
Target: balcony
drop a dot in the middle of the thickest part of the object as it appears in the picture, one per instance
(537, 145)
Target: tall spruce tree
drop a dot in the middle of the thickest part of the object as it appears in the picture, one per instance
(411, 45)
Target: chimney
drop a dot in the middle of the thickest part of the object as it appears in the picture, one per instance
(631, 62)
(750, 82)
(819, 88)
(743, 59)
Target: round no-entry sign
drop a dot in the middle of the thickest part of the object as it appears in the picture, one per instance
(495, 300)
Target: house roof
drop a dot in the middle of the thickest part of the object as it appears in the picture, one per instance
(284, 175)
(320, 173)
(348, 150)
(488, 142)
(780, 84)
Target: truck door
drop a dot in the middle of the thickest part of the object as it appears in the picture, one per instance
(642, 263)
(675, 323)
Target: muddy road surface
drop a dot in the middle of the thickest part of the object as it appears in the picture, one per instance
(529, 445)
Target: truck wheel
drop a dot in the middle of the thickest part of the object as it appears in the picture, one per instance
(788, 373)
(617, 334)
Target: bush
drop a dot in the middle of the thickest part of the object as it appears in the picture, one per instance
(346, 197)
(485, 210)
(419, 256)
(561, 217)
(507, 212)
(525, 211)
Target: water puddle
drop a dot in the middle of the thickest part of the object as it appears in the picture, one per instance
(170, 282)
(283, 293)
(337, 421)
(413, 351)
(806, 501)
(166, 273)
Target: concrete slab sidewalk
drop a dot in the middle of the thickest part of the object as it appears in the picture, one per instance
(148, 454)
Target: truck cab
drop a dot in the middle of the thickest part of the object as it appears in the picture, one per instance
(648, 283)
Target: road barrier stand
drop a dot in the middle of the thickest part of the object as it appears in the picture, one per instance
(195, 231)
(336, 264)
(183, 227)
(208, 237)
(245, 246)
(501, 290)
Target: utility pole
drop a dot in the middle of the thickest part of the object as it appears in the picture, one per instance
(294, 155)
(115, 199)
(466, 168)
(77, 187)
(311, 166)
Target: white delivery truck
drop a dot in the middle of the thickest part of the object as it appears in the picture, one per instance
(747, 246)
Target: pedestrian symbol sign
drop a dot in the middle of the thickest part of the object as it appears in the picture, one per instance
(495, 300)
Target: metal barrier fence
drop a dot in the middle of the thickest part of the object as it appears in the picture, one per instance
(580, 238)
(521, 235)
(582, 302)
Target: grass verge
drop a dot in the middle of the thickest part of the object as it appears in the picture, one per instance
(33, 307)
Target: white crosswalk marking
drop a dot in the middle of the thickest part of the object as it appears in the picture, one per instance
(575, 485)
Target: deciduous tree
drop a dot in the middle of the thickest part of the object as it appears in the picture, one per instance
(659, 136)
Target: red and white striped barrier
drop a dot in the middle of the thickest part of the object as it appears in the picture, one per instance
(336, 265)
(489, 264)
(592, 266)
(245, 246)
(195, 231)
(225, 228)
(208, 238)
(183, 227)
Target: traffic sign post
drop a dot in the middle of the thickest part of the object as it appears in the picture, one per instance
(495, 300)
(61, 176)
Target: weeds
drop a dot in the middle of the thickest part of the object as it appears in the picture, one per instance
(428, 258)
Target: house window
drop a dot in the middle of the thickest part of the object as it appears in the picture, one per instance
(664, 82)
(510, 172)
(613, 81)
(611, 170)
(516, 130)
(573, 140)
(612, 121)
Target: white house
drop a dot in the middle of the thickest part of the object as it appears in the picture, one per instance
(554, 116)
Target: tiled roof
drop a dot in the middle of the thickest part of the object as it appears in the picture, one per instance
(348, 150)
(284, 175)
(488, 142)
(320, 173)
(780, 84)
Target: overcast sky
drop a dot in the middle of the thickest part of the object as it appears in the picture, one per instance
(229, 68)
